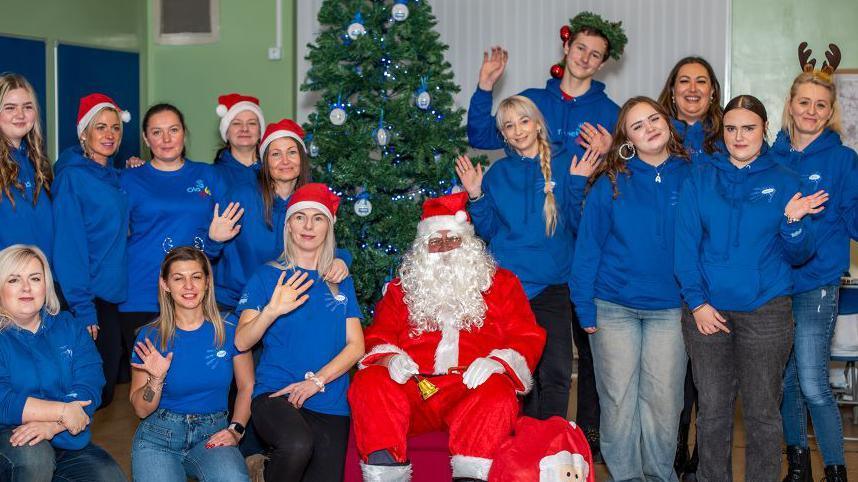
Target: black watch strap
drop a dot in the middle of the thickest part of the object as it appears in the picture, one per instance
(237, 428)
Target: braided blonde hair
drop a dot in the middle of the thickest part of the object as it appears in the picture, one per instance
(525, 107)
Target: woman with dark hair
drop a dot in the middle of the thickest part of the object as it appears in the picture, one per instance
(25, 171)
(241, 124)
(628, 298)
(183, 365)
(741, 226)
(692, 96)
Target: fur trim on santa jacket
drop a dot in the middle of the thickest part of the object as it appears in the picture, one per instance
(509, 334)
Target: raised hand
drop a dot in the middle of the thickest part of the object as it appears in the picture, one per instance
(709, 321)
(32, 433)
(289, 295)
(74, 418)
(337, 272)
(494, 64)
(597, 138)
(587, 165)
(799, 205)
(224, 226)
(153, 363)
(470, 175)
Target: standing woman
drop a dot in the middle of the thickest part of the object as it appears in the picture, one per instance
(170, 203)
(627, 296)
(692, 96)
(91, 223)
(25, 171)
(183, 365)
(739, 229)
(312, 336)
(50, 380)
(241, 124)
(810, 144)
(527, 209)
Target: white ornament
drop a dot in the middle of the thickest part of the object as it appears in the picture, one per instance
(363, 207)
(400, 12)
(382, 137)
(437, 156)
(313, 149)
(456, 189)
(423, 100)
(338, 116)
(356, 30)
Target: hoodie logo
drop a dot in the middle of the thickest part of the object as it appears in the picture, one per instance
(674, 198)
(199, 243)
(764, 192)
(167, 244)
(243, 299)
(214, 357)
(66, 351)
(200, 188)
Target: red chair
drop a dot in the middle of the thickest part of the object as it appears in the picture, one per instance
(429, 455)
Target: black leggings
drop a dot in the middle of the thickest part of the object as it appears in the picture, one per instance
(109, 345)
(306, 446)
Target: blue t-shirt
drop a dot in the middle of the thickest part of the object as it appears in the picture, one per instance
(201, 372)
(305, 339)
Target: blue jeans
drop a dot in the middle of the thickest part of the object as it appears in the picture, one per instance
(806, 377)
(640, 361)
(43, 463)
(169, 446)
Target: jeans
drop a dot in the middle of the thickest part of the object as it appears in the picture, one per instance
(806, 379)
(640, 364)
(749, 360)
(170, 446)
(43, 463)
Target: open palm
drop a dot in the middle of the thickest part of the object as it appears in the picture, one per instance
(152, 361)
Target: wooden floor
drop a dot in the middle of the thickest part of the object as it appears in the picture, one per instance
(114, 427)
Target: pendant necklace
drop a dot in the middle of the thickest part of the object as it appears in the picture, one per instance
(658, 172)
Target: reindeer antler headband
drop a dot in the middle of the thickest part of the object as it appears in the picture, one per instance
(828, 67)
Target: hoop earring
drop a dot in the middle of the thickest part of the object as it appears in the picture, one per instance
(627, 145)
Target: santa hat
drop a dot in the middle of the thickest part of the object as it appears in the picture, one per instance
(230, 105)
(314, 195)
(284, 128)
(445, 212)
(91, 105)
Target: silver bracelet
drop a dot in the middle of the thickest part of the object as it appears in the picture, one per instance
(316, 381)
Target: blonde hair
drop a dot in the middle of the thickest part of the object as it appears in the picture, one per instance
(88, 128)
(326, 257)
(525, 107)
(12, 260)
(9, 169)
(834, 122)
(166, 323)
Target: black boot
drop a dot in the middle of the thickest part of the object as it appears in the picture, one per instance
(835, 473)
(689, 473)
(681, 449)
(593, 439)
(798, 459)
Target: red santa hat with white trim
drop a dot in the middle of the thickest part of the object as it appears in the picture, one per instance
(445, 213)
(314, 195)
(278, 130)
(230, 105)
(91, 105)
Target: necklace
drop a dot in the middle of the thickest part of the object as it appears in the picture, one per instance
(658, 172)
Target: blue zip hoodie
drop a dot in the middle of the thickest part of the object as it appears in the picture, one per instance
(166, 209)
(623, 243)
(824, 164)
(734, 247)
(563, 117)
(509, 218)
(25, 223)
(58, 362)
(91, 233)
(234, 172)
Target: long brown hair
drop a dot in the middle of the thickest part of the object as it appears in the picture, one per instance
(166, 323)
(525, 107)
(834, 122)
(613, 164)
(712, 119)
(267, 185)
(9, 169)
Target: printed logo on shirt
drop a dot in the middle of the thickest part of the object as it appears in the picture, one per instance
(199, 243)
(214, 357)
(766, 193)
(336, 301)
(167, 244)
(200, 188)
(243, 299)
(814, 179)
(674, 198)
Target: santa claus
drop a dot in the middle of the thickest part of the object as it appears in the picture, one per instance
(456, 319)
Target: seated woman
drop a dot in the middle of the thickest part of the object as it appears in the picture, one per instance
(50, 380)
(182, 367)
(311, 334)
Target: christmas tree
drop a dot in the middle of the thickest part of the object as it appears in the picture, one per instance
(385, 132)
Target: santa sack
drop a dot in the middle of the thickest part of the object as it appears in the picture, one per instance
(552, 450)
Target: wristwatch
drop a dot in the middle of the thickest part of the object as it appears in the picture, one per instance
(237, 428)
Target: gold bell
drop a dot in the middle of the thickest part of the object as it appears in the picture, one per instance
(427, 388)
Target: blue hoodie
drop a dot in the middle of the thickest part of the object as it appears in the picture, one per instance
(91, 233)
(509, 218)
(824, 164)
(25, 223)
(234, 172)
(623, 243)
(693, 137)
(58, 362)
(563, 117)
(166, 209)
(734, 247)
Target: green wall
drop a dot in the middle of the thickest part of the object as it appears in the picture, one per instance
(193, 76)
(96, 23)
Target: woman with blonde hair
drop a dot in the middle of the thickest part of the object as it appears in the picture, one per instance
(50, 380)
(527, 209)
(25, 171)
(810, 144)
(311, 336)
(182, 368)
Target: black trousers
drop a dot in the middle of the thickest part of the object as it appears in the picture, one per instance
(109, 345)
(306, 446)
